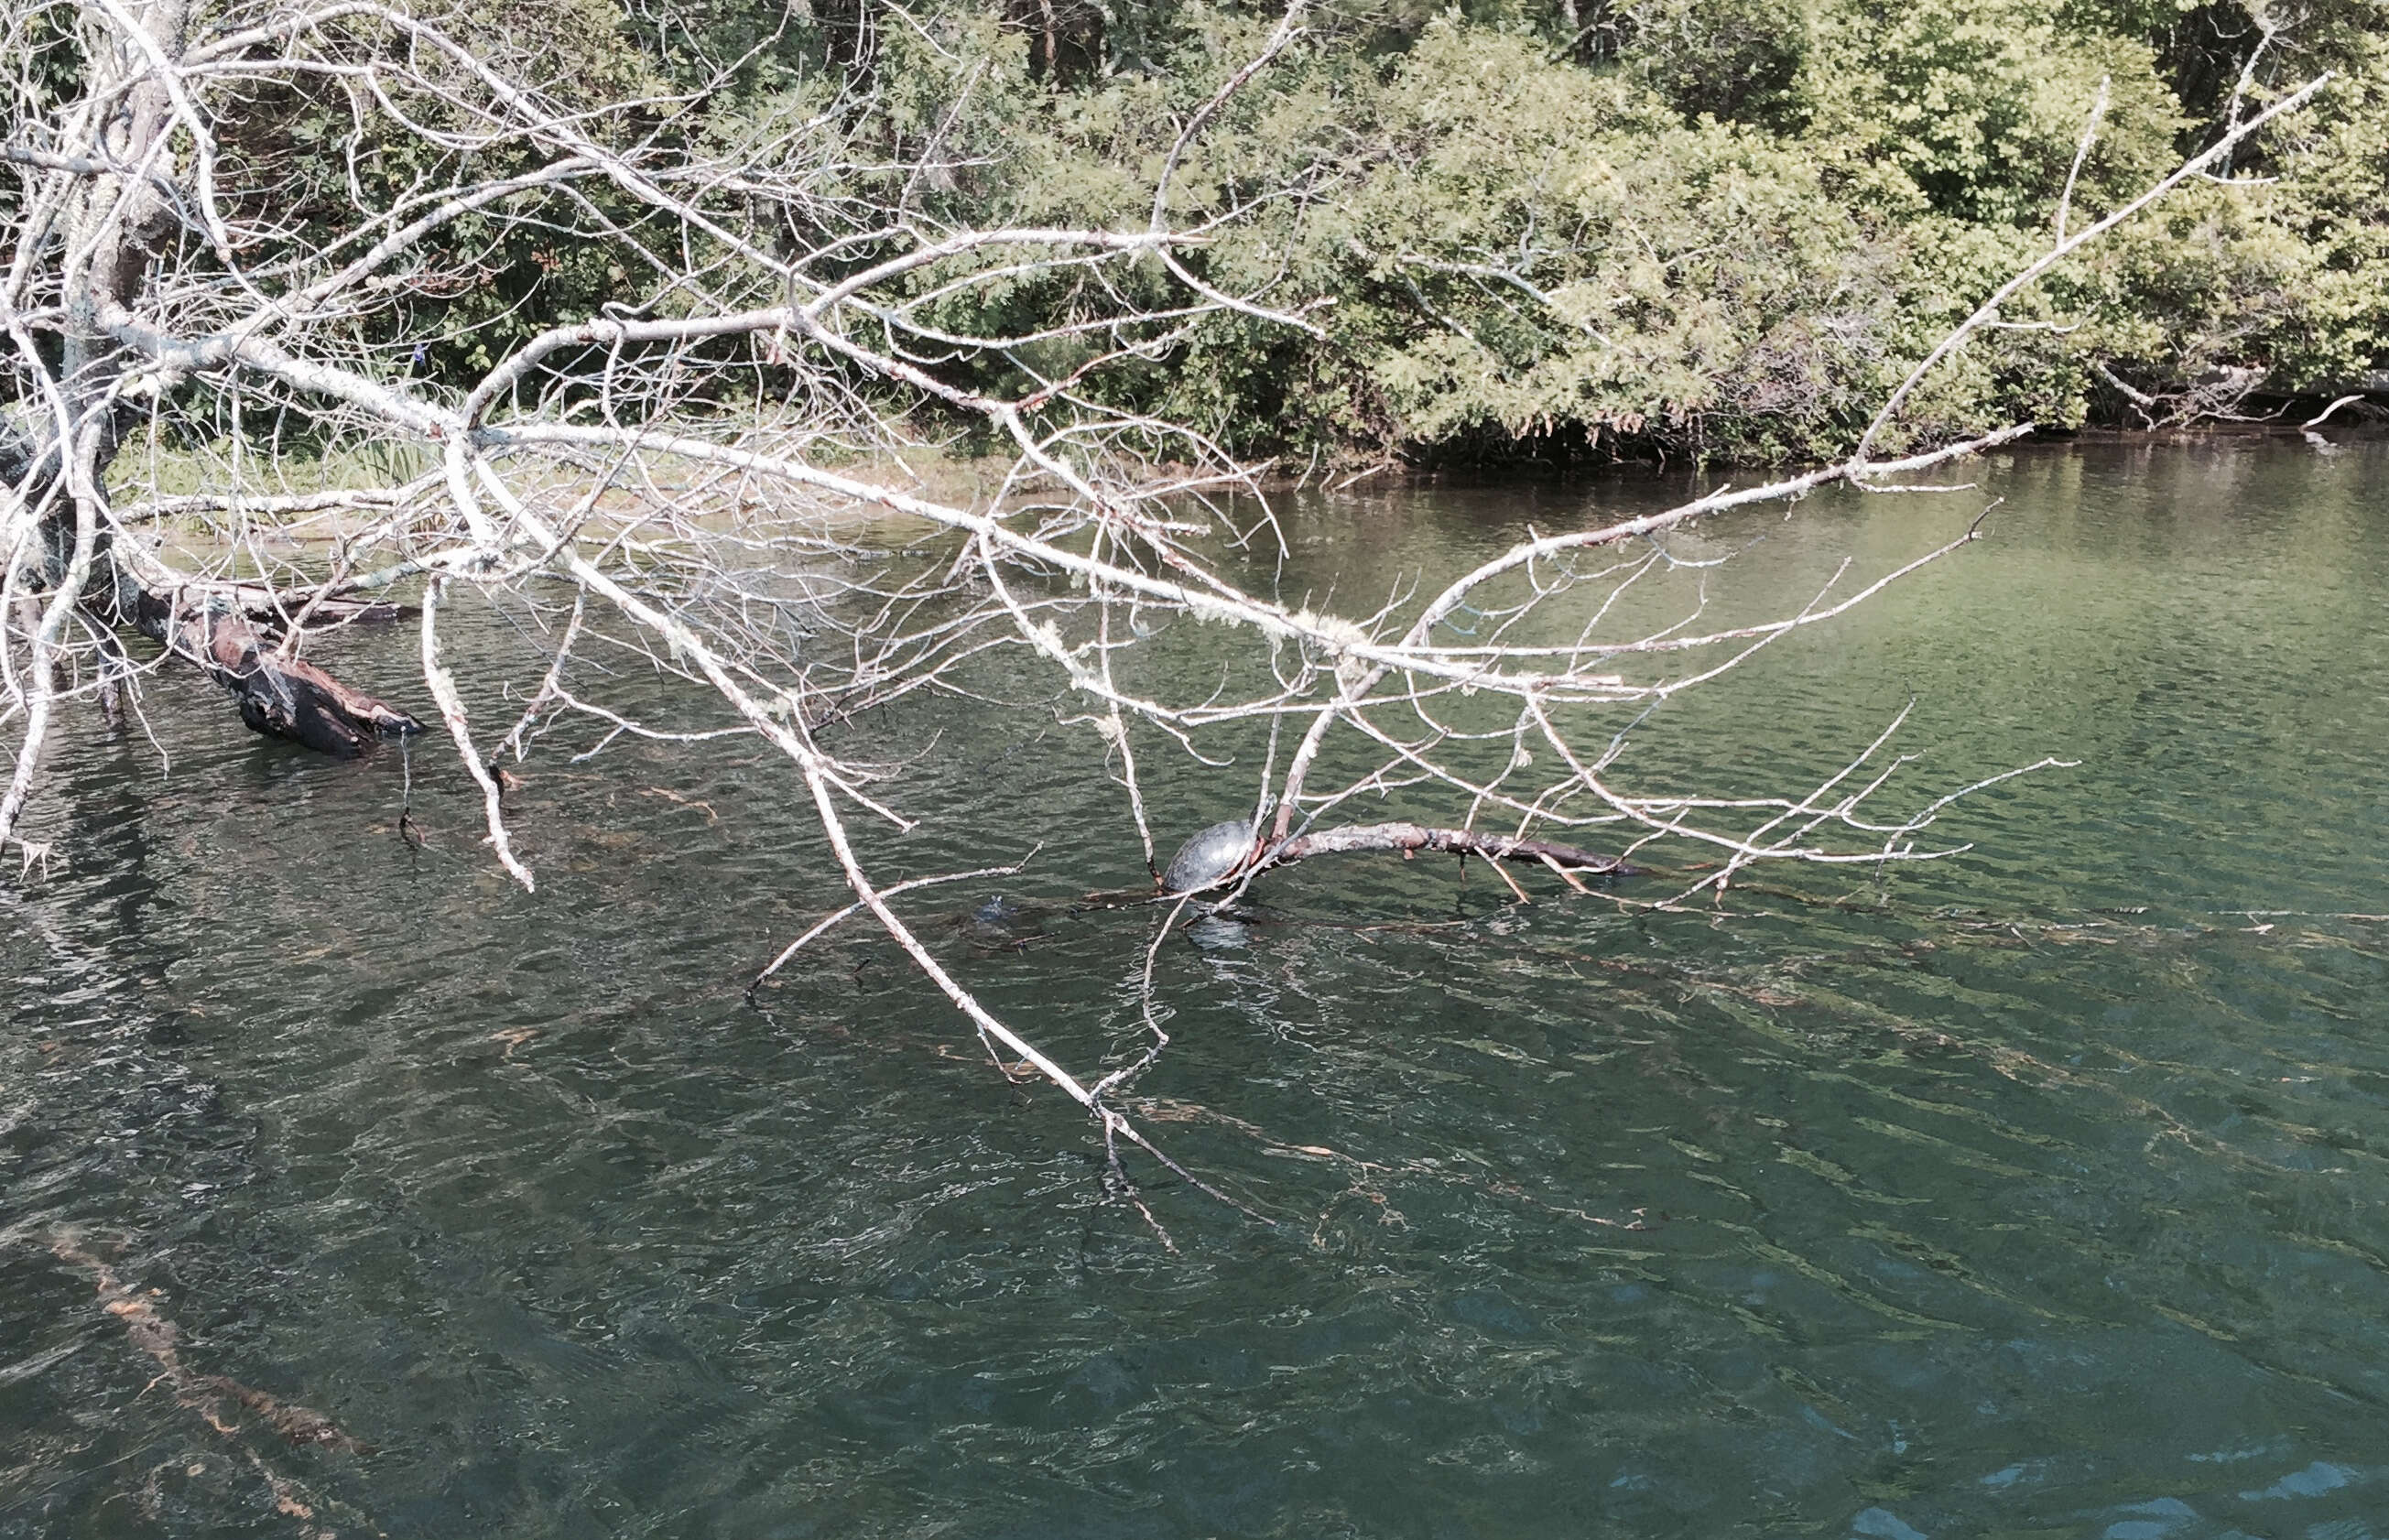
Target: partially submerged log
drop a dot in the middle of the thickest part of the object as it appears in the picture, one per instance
(281, 697)
(1412, 838)
(1569, 860)
(229, 630)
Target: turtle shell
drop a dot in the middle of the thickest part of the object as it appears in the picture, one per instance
(1208, 857)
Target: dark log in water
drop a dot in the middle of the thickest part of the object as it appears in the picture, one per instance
(283, 697)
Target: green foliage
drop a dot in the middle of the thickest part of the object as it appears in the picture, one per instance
(1715, 228)
(1695, 226)
(1736, 60)
(1585, 258)
(1975, 107)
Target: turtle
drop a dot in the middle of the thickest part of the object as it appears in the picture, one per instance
(1208, 857)
(1002, 923)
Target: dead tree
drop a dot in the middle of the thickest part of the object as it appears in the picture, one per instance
(696, 467)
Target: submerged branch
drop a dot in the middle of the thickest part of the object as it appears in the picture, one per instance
(1410, 838)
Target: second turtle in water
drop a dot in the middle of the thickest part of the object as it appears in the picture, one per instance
(1208, 857)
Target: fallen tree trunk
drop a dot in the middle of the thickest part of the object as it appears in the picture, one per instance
(283, 697)
(1410, 838)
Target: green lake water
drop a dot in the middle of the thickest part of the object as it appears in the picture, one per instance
(2041, 1191)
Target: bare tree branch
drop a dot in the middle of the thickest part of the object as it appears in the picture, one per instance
(706, 473)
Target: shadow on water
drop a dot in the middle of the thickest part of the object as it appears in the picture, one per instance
(2042, 1191)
